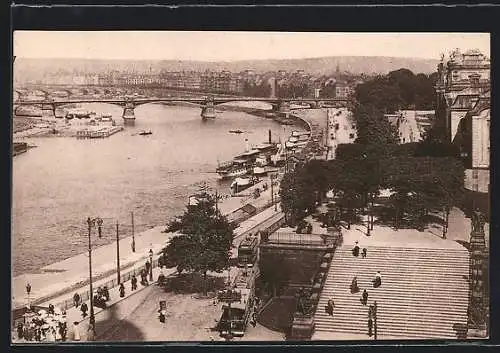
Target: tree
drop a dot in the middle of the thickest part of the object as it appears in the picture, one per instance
(372, 126)
(423, 184)
(297, 194)
(399, 89)
(205, 240)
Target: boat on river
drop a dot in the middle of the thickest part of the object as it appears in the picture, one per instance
(143, 132)
(235, 131)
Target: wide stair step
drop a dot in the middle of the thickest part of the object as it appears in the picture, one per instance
(424, 293)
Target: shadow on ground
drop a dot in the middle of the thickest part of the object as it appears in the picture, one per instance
(188, 283)
(460, 330)
(278, 315)
(465, 244)
(116, 329)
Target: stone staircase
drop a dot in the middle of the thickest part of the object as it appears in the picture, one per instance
(424, 294)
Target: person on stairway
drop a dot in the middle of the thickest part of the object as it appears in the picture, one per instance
(329, 307)
(354, 285)
(355, 250)
(363, 254)
(377, 282)
(364, 297)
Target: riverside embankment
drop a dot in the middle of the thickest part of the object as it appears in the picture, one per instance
(58, 281)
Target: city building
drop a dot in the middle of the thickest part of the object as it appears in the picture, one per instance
(342, 90)
(463, 104)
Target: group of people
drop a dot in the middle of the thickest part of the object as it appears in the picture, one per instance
(45, 326)
(377, 282)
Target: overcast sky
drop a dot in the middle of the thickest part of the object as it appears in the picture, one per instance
(231, 46)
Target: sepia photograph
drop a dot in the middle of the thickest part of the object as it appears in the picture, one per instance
(186, 186)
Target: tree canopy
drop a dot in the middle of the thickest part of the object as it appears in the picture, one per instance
(400, 89)
(205, 240)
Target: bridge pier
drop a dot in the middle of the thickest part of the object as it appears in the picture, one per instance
(208, 110)
(284, 108)
(129, 113)
(48, 111)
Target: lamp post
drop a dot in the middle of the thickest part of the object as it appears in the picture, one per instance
(150, 265)
(91, 223)
(133, 233)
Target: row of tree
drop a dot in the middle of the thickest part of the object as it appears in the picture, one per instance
(400, 89)
(416, 185)
(422, 177)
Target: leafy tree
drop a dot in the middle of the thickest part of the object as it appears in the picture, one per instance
(205, 240)
(423, 184)
(298, 195)
(372, 126)
(400, 89)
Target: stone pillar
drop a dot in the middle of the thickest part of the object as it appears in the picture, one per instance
(208, 110)
(48, 111)
(284, 109)
(128, 113)
(478, 273)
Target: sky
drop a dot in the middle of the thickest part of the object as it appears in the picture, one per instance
(233, 46)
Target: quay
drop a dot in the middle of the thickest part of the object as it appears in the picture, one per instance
(56, 283)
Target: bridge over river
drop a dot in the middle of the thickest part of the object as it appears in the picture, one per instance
(280, 105)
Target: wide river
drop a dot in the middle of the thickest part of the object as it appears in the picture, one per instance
(57, 185)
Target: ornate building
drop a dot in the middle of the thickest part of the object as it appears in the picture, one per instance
(463, 104)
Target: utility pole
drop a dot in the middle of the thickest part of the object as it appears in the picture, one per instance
(216, 201)
(272, 189)
(91, 294)
(117, 254)
(133, 233)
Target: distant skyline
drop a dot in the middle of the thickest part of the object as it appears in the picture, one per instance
(238, 46)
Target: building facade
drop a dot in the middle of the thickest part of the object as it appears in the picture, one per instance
(463, 104)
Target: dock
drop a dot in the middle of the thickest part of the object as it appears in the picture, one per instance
(98, 132)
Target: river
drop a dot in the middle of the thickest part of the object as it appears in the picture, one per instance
(57, 185)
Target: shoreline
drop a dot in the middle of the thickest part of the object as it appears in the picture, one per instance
(52, 271)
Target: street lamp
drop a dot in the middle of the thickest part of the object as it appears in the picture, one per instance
(150, 265)
(91, 222)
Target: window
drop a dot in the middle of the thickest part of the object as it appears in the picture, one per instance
(351, 135)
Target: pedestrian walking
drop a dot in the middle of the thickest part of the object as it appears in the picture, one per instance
(134, 282)
(105, 292)
(20, 330)
(364, 297)
(76, 300)
(355, 250)
(329, 307)
(377, 282)
(354, 285)
(364, 253)
(90, 333)
(122, 290)
(148, 266)
(84, 309)
(51, 309)
(28, 288)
